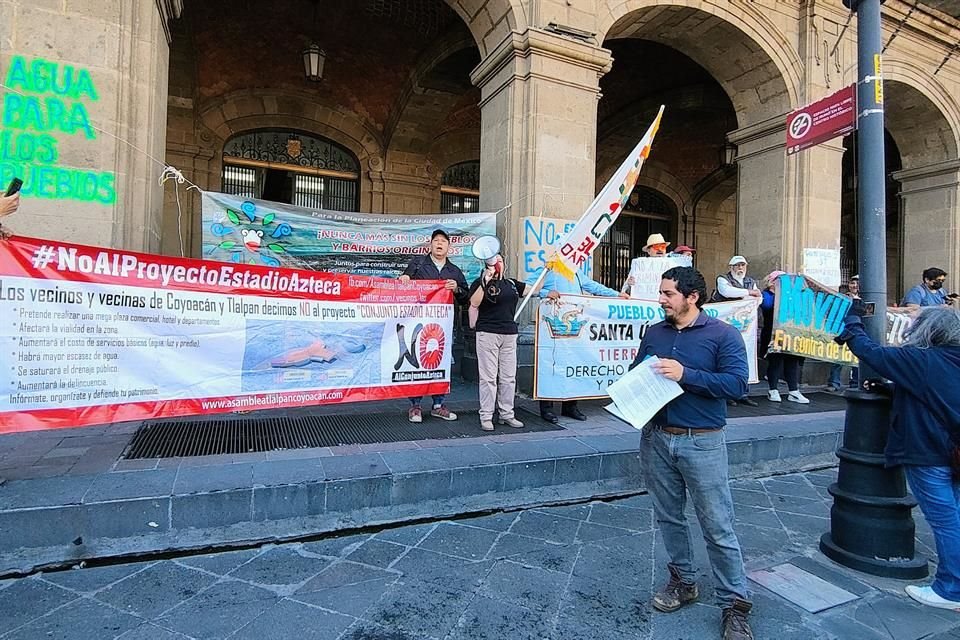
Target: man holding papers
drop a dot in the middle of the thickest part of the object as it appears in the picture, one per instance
(684, 449)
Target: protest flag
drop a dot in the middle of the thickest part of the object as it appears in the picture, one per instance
(578, 245)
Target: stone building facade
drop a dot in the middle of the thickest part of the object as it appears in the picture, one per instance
(532, 104)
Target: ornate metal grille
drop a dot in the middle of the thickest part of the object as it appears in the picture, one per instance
(458, 203)
(323, 192)
(465, 175)
(286, 147)
(650, 213)
(240, 181)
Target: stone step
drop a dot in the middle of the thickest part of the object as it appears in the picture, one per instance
(55, 521)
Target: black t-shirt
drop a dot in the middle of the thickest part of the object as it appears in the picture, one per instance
(495, 314)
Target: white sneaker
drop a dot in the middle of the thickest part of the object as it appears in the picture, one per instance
(773, 395)
(927, 596)
(799, 398)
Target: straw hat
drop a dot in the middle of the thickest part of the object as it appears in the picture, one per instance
(655, 238)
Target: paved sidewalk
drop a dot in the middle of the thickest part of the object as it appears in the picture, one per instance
(576, 572)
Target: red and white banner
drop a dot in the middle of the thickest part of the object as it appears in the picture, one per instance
(91, 336)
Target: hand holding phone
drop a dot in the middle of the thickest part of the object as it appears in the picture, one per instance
(14, 187)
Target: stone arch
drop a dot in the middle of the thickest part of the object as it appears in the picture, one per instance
(416, 98)
(244, 110)
(490, 21)
(744, 51)
(453, 148)
(921, 116)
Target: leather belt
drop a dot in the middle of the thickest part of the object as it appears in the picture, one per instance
(683, 431)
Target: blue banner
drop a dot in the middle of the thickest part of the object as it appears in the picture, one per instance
(248, 231)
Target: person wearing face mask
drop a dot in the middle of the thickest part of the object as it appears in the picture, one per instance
(493, 303)
(930, 292)
(784, 366)
(858, 309)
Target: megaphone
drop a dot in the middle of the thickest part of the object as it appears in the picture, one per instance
(486, 247)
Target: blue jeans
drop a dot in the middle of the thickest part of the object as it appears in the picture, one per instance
(834, 379)
(674, 464)
(437, 401)
(938, 495)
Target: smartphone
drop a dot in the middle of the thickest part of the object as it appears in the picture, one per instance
(14, 187)
(869, 308)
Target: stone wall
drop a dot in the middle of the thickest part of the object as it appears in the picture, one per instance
(88, 187)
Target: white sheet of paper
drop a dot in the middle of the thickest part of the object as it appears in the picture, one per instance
(640, 393)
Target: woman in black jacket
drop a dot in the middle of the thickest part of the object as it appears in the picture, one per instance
(925, 430)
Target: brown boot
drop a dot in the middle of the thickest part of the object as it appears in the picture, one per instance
(734, 621)
(676, 593)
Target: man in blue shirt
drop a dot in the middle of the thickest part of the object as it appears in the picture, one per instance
(930, 292)
(684, 449)
(554, 286)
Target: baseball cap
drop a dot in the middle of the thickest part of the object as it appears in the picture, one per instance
(440, 232)
(737, 260)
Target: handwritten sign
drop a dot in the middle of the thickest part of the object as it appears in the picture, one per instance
(540, 236)
(806, 318)
(648, 272)
(48, 102)
(823, 265)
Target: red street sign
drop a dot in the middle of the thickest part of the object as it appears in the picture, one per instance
(823, 120)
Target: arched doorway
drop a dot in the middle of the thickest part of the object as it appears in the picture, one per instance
(849, 228)
(717, 73)
(291, 167)
(647, 211)
(921, 187)
(394, 103)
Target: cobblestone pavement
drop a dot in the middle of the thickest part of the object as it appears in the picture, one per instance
(573, 572)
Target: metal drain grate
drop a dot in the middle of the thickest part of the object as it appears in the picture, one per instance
(207, 437)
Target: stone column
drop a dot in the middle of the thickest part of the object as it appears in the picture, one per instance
(930, 211)
(763, 225)
(539, 94)
(785, 203)
(81, 183)
(538, 104)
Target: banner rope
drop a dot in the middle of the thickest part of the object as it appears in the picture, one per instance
(169, 172)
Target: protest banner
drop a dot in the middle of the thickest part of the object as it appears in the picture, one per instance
(96, 335)
(898, 321)
(806, 318)
(248, 231)
(540, 237)
(648, 272)
(585, 343)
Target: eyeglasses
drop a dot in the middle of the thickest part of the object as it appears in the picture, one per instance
(941, 279)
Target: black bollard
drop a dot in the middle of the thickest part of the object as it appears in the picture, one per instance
(871, 526)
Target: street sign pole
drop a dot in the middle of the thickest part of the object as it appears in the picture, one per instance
(871, 526)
